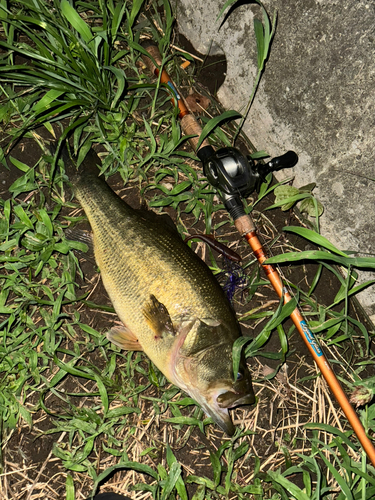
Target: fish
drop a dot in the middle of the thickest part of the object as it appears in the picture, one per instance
(170, 304)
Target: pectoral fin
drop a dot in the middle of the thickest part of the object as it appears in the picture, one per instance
(124, 338)
(158, 319)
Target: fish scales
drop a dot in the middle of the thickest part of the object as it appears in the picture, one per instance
(145, 265)
(152, 257)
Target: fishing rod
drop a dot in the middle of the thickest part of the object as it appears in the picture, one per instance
(236, 177)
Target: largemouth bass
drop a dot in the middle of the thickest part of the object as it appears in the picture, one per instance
(169, 302)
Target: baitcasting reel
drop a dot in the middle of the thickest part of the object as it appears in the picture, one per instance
(237, 176)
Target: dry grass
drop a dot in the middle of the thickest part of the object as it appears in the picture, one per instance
(276, 423)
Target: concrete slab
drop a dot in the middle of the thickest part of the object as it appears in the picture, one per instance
(316, 97)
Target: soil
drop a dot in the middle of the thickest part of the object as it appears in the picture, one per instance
(285, 402)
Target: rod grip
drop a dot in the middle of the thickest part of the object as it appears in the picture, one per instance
(189, 123)
(244, 225)
(155, 54)
(190, 126)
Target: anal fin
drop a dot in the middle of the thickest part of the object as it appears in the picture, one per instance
(124, 338)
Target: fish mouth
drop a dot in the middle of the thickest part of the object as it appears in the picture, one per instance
(231, 400)
(219, 410)
(216, 403)
(209, 404)
(220, 416)
(249, 399)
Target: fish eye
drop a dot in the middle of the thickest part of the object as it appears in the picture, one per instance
(239, 376)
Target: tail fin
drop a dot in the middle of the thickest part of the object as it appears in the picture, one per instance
(89, 166)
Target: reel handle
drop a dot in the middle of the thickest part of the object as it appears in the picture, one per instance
(287, 160)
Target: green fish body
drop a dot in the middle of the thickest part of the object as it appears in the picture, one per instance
(171, 305)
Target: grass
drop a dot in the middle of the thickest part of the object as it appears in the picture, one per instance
(105, 416)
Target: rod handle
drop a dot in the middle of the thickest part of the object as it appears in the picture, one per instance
(189, 123)
(155, 54)
(190, 126)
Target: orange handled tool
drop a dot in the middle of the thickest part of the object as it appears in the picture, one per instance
(232, 173)
(189, 124)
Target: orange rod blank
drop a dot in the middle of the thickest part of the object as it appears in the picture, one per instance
(246, 228)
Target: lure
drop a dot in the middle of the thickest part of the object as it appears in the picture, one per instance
(233, 277)
(216, 245)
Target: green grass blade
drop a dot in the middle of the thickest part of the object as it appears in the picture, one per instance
(70, 490)
(332, 430)
(20, 165)
(353, 291)
(47, 100)
(228, 3)
(137, 467)
(216, 467)
(69, 368)
(117, 18)
(103, 393)
(236, 353)
(283, 311)
(76, 21)
(340, 480)
(288, 202)
(315, 280)
(136, 7)
(291, 488)
(259, 35)
(215, 122)
(318, 255)
(283, 339)
(314, 237)
(180, 485)
(24, 218)
(121, 83)
(267, 32)
(170, 483)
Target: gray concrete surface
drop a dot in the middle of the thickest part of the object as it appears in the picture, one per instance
(316, 97)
